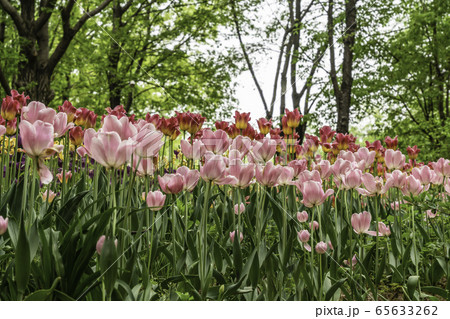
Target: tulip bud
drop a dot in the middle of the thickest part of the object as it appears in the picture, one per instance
(321, 248)
(239, 209)
(303, 236)
(100, 243)
(302, 216)
(3, 225)
(232, 234)
(315, 225)
(155, 200)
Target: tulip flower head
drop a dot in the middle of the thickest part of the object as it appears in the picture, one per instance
(394, 159)
(101, 242)
(37, 142)
(48, 196)
(361, 223)
(321, 248)
(241, 120)
(313, 194)
(3, 225)
(239, 209)
(232, 235)
(383, 230)
(303, 236)
(302, 216)
(155, 200)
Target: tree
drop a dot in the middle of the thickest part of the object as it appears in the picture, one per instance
(342, 92)
(32, 24)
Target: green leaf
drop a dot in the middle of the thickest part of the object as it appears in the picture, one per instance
(43, 294)
(22, 260)
(109, 264)
(333, 288)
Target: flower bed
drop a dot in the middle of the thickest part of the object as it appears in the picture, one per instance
(124, 211)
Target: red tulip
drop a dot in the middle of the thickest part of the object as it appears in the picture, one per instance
(326, 134)
(69, 109)
(264, 125)
(10, 108)
(391, 143)
(293, 118)
(241, 120)
(76, 135)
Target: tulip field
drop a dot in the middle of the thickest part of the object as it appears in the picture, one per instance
(112, 207)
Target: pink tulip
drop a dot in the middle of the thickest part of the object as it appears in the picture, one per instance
(430, 214)
(107, 149)
(263, 151)
(396, 179)
(68, 176)
(306, 175)
(347, 156)
(190, 178)
(303, 236)
(447, 186)
(2, 130)
(361, 223)
(365, 156)
(268, 175)
(48, 196)
(324, 168)
(383, 230)
(241, 143)
(155, 200)
(321, 247)
(215, 170)
(340, 167)
(314, 225)
(243, 173)
(442, 167)
(394, 159)
(413, 187)
(3, 225)
(101, 242)
(373, 185)
(123, 127)
(298, 166)
(60, 125)
(424, 174)
(313, 194)
(232, 234)
(147, 143)
(286, 176)
(354, 261)
(37, 111)
(216, 142)
(302, 216)
(171, 183)
(351, 180)
(37, 142)
(239, 209)
(194, 151)
(146, 166)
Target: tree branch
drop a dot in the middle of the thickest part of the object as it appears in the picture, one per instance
(15, 16)
(46, 12)
(69, 32)
(246, 57)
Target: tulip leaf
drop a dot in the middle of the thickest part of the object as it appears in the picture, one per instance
(109, 265)
(43, 294)
(331, 291)
(22, 260)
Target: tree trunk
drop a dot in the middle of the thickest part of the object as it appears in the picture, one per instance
(36, 70)
(114, 83)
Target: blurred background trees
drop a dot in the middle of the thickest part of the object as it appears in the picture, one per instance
(374, 68)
